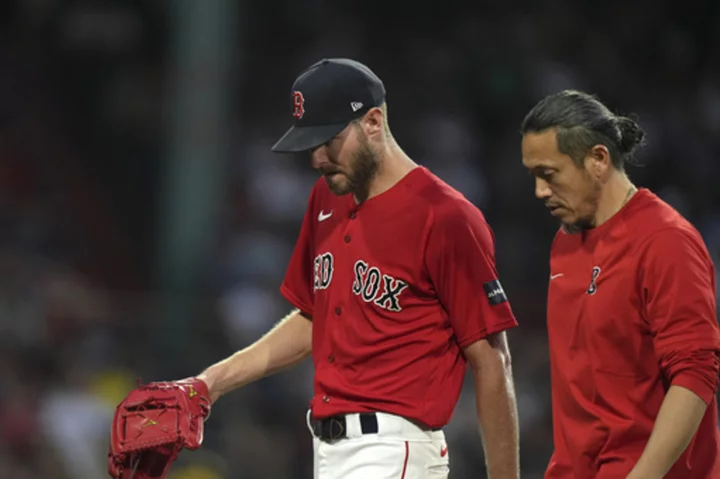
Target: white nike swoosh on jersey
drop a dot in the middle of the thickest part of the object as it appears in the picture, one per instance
(323, 216)
(553, 276)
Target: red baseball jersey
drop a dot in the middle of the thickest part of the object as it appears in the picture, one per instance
(631, 311)
(396, 287)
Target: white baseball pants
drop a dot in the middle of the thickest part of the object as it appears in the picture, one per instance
(399, 450)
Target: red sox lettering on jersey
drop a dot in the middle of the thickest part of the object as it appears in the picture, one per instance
(323, 271)
(396, 288)
(383, 292)
(370, 283)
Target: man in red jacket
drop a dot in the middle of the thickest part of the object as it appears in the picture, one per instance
(634, 339)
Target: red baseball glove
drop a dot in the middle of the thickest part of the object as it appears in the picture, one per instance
(153, 424)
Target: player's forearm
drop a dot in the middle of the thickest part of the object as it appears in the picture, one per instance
(679, 417)
(288, 343)
(497, 413)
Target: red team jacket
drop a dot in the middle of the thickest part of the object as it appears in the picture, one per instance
(396, 287)
(631, 311)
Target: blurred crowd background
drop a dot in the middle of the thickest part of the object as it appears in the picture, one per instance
(145, 225)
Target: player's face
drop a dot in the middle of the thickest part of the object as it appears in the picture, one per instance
(569, 190)
(347, 162)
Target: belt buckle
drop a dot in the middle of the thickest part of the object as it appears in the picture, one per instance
(336, 428)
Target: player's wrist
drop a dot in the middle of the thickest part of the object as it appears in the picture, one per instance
(211, 382)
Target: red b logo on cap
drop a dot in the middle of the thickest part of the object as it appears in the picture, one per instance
(298, 104)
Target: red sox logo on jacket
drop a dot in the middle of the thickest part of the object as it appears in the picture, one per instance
(592, 289)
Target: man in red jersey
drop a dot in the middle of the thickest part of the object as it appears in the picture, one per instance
(395, 289)
(634, 340)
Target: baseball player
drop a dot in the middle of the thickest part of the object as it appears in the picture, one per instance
(634, 339)
(395, 291)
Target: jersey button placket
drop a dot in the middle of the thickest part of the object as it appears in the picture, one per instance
(348, 226)
(338, 309)
(331, 356)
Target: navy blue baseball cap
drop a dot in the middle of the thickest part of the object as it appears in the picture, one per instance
(325, 98)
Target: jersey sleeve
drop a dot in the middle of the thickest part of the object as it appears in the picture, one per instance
(678, 285)
(460, 258)
(297, 286)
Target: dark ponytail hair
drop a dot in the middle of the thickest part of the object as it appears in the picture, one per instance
(632, 136)
(582, 122)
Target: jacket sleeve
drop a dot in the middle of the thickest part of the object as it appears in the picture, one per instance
(678, 285)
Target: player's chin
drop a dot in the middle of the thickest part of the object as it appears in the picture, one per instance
(566, 217)
(338, 184)
(561, 213)
(575, 224)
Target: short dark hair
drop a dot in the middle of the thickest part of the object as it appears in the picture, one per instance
(582, 121)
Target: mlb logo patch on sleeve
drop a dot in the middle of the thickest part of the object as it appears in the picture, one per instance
(495, 293)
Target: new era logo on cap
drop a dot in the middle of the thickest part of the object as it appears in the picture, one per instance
(320, 98)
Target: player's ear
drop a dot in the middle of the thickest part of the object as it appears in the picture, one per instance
(600, 161)
(372, 122)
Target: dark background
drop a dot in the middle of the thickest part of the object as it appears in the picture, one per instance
(145, 225)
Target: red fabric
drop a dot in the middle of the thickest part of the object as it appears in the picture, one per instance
(631, 311)
(694, 370)
(395, 288)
